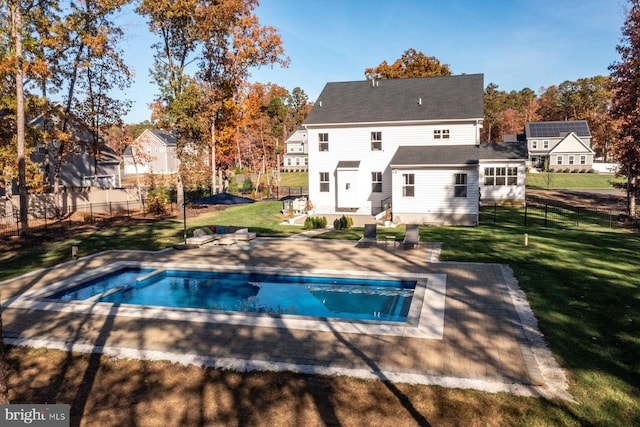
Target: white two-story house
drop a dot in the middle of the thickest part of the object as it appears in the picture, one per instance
(296, 156)
(408, 146)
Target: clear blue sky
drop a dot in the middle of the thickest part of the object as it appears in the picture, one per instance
(514, 43)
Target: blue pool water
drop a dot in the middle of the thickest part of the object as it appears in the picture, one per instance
(351, 298)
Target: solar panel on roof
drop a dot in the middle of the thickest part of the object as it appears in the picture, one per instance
(551, 129)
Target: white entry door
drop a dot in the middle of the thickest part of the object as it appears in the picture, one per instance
(347, 182)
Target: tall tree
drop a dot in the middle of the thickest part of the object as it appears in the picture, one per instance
(225, 40)
(410, 64)
(299, 107)
(626, 99)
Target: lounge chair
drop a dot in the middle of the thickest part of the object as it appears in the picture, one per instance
(201, 237)
(369, 237)
(411, 236)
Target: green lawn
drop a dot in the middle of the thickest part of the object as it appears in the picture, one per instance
(294, 179)
(583, 286)
(571, 181)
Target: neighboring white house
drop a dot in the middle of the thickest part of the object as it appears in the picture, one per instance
(559, 145)
(156, 153)
(408, 145)
(296, 156)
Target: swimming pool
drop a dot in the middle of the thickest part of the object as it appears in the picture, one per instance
(356, 298)
(424, 319)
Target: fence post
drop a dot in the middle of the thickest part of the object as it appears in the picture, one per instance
(546, 212)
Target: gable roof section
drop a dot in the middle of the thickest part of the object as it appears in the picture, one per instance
(557, 129)
(444, 155)
(166, 137)
(571, 144)
(417, 99)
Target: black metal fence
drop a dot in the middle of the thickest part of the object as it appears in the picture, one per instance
(553, 216)
(50, 219)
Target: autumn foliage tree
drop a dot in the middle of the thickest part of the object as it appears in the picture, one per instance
(626, 99)
(223, 40)
(410, 64)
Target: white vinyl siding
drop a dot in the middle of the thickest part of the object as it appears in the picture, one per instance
(353, 143)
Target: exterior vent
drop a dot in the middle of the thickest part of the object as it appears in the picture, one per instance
(419, 101)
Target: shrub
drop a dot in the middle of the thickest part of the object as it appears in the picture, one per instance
(583, 170)
(591, 171)
(247, 186)
(157, 201)
(574, 170)
(551, 170)
(312, 222)
(343, 223)
(567, 170)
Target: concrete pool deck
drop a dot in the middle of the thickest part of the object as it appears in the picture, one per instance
(490, 339)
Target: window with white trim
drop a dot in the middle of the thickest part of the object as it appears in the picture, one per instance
(376, 141)
(323, 142)
(408, 185)
(324, 182)
(376, 182)
(534, 144)
(571, 160)
(441, 134)
(460, 187)
(583, 160)
(512, 176)
(558, 160)
(545, 144)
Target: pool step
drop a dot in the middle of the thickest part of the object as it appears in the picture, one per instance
(105, 293)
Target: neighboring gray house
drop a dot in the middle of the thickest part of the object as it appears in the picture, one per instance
(559, 145)
(296, 156)
(155, 152)
(410, 148)
(79, 168)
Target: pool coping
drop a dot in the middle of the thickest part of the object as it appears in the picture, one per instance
(425, 318)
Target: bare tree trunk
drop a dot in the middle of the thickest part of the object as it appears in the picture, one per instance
(214, 187)
(4, 389)
(631, 195)
(20, 120)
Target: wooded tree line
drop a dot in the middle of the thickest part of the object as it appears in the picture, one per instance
(203, 57)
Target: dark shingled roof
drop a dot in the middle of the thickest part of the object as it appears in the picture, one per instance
(556, 129)
(458, 154)
(504, 151)
(167, 137)
(428, 98)
(349, 164)
(435, 155)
